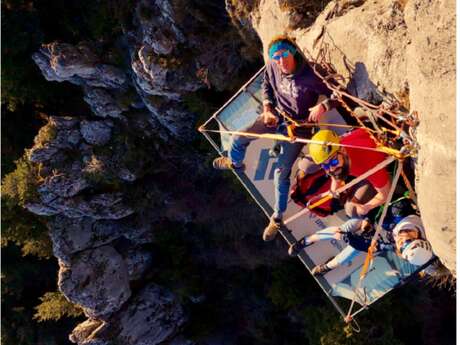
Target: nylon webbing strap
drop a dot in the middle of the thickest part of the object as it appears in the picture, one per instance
(280, 137)
(358, 179)
(370, 251)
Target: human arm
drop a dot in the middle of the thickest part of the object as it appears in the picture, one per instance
(316, 112)
(379, 199)
(326, 100)
(268, 94)
(270, 119)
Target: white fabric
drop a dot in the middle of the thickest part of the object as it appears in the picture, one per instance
(410, 222)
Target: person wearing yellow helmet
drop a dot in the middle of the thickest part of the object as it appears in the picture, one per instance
(340, 162)
(291, 86)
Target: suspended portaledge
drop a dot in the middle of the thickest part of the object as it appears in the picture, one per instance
(387, 271)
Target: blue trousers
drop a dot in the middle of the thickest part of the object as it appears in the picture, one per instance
(348, 253)
(287, 157)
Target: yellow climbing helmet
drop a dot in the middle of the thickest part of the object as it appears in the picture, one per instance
(321, 152)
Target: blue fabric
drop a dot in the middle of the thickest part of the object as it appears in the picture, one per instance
(293, 93)
(284, 162)
(346, 255)
(281, 45)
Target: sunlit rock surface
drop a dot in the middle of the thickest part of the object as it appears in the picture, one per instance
(407, 49)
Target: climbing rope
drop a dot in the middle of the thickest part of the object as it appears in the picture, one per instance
(329, 195)
(373, 246)
(384, 149)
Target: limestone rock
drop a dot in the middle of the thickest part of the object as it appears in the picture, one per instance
(99, 206)
(62, 185)
(96, 132)
(42, 154)
(431, 74)
(159, 29)
(63, 122)
(96, 279)
(102, 103)
(77, 64)
(407, 52)
(173, 116)
(107, 76)
(138, 261)
(40, 209)
(152, 317)
(155, 77)
(70, 236)
(83, 333)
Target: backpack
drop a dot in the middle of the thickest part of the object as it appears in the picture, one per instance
(399, 209)
(310, 185)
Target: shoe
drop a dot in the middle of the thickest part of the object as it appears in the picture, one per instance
(224, 163)
(320, 269)
(296, 248)
(272, 229)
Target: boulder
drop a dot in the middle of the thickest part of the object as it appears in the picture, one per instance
(85, 331)
(96, 279)
(152, 317)
(96, 132)
(77, 64)
(62, 185)
(72, 235)
(138, 261)
(42, 154)
(102, 103)
(159, 29)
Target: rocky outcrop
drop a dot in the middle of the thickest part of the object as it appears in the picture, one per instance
(78, 65)
(406, 52)
(103, 215)
(97, 280)
(152, 317)
(96, 132)
(172, 53)
(103, 103)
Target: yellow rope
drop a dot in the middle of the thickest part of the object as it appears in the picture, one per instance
(280, 137)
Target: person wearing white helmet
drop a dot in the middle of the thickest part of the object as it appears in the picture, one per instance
(408, 235)
(410, 241)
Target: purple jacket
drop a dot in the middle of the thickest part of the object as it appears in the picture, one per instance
(293, 93)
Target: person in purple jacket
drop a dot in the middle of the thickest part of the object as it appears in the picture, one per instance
(291, 86)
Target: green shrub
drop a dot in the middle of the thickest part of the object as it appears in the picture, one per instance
(21, 185)
(46, 134)
(25, 229)
(55, 306)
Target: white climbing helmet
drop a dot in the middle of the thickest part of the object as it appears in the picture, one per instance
(418, 252)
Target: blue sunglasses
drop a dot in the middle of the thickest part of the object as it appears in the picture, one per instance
(333, 163)
(404, 246)
(283, 55)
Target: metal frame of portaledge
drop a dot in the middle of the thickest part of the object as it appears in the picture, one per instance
(266, 208)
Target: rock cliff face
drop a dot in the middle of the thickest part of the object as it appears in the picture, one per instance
(100, 172)
(93, 167)
(408, 52)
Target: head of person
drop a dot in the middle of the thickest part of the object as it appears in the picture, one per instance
(326, 152)
(410, 245)
(283, 51)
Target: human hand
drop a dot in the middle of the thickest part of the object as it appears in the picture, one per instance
(361, 209)
(270, 119)
(316, 112)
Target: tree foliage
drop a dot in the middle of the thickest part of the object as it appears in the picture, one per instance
(20, 186)
(55, 306)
